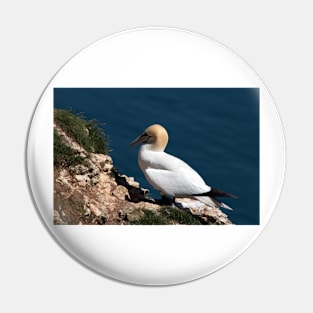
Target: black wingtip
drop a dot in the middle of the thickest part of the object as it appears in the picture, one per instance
(217, 193)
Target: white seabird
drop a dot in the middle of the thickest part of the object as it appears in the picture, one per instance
(170, 175)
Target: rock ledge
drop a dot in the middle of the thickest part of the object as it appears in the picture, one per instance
(93, 192)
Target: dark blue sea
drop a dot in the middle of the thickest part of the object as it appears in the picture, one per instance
(215, 130)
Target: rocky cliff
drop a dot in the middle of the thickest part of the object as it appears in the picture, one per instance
(89, 190)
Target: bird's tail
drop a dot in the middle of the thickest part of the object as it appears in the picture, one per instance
(213, 203)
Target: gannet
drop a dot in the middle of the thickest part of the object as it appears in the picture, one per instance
(171, 176)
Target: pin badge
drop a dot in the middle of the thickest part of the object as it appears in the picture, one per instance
(155, 156)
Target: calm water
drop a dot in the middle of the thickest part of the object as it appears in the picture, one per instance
(215, 130)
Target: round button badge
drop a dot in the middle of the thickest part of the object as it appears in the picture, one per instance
(155, 156)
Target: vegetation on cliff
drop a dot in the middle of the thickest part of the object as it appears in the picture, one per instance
(88, 134)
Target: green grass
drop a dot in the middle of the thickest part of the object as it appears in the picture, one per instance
(63, 154)
(150, 218)
(179, 216)
(166, 216)
(86, 133)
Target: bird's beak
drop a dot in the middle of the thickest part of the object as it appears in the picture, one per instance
(142, 138)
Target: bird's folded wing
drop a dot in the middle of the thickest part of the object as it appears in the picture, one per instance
(176, 183)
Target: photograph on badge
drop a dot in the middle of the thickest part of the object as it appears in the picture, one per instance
(156, 156)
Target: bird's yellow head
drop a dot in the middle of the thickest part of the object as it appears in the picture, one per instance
(155, 135)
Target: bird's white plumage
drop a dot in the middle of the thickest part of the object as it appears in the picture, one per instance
(168, 174)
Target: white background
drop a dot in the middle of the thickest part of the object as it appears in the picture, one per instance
(275, 39)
